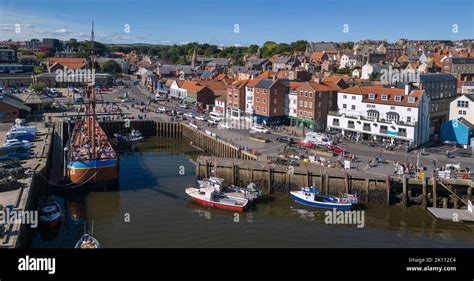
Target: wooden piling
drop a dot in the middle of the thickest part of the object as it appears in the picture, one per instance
(387, 190)
(435, 195)
(326, 185)
(308, 178)
(233, 173)
(346, 182)
(404, 194)
(367, 186)
(423, 196)
(269, 180)
(445, 203)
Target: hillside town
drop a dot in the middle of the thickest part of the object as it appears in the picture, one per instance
(413, 93)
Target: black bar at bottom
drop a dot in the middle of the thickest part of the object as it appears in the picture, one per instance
(238, 264)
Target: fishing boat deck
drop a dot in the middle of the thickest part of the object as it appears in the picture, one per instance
(81, 145)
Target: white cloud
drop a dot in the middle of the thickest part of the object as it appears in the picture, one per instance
(61, 30)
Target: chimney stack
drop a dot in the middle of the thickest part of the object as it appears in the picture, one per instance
(407, 89)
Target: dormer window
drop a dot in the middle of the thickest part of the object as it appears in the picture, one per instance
(398, 98)
(384, 97)
(411, 99)
(372, 96)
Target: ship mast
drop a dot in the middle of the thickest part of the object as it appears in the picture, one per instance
(92, 100)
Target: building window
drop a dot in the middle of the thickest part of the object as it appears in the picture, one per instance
(409, 109)
(384, 97)
(408, 119)
(320, 94)
(462, 103)
(319, 104)
(462, 112)
(372, 115)
(344, 96)
(264, 109)
(275, 101)
(258, 99)
(301, 113)
(353, 107)
(301, 93)
(398, 98)
(301, 103)
(264, 100)
(344, 106)
(264, 91)
(310, 94)
(310, 105)
(258, 108)
(274, 110)
(372, 96)
(411, 99)
(392, 117)
(305, 94)
(392, 107)
(310, 115)
(353, 97)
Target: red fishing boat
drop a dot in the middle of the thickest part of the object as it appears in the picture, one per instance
(212, 195)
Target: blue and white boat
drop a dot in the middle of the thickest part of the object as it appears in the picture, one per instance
(311, 196)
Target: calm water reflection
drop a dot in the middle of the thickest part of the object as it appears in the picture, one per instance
(151, 195)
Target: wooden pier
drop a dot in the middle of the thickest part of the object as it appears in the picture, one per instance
(370, 188)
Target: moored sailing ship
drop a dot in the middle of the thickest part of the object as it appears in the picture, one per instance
(92, 158)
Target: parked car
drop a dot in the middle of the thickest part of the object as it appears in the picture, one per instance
(183, 105)
(190, 115)
(200, 117)
(161, 110)
(224, 126)
(286, 140)
(335, 149)
(213, 122)
(259, 129)
(20, 135)
(17, 143)
(308, 144)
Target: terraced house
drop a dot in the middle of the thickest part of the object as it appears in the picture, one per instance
(309, 104)
(374, 112)
(269, 106)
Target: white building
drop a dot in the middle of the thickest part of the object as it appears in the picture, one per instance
(368, 69)
(249, 89)
(176, 91)
(348, 61)
(463, 107)
(292, 104)
(220, 105)
(356, 73)
(375, 112)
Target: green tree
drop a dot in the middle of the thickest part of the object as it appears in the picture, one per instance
(38, 87)
(111, 67)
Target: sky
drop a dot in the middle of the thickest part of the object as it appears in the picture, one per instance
(236, 22)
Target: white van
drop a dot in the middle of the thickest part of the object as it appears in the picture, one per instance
(216, 116)
(318, 138)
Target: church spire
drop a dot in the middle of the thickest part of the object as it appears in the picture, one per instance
(193, 60)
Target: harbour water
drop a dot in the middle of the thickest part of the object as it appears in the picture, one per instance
(150, 209)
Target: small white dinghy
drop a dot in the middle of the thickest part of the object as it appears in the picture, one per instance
(87, 241)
